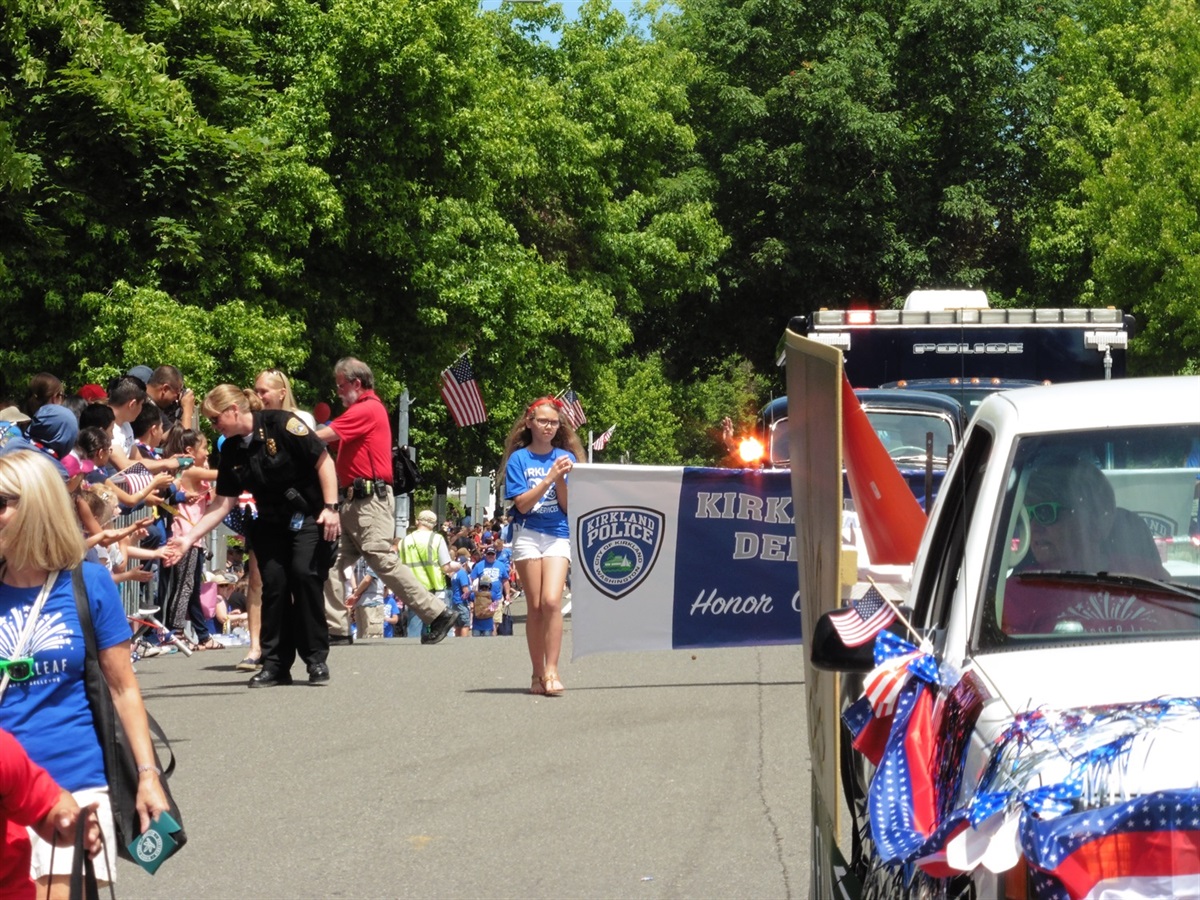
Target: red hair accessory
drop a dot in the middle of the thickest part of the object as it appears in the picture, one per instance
(553, 401)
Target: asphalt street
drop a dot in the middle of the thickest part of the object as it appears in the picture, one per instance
(431, 772)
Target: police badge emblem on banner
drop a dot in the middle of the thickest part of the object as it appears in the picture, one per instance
(679, 557)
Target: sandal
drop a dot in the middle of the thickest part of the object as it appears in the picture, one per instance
(549, 680)
(211, 644)
(537, 687)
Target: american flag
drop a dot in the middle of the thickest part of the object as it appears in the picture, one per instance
(601, 442)
(573, 408)
(461, 393)
(883, 685)
(864, 618)
(137, 478)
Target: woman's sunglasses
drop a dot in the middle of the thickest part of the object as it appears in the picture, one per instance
(7, 500)
(1046, 513)
(18, 669)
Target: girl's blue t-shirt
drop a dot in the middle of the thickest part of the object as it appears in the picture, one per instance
(49, 713)
(525, 469)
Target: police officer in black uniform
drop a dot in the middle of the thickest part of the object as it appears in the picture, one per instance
(276, 457)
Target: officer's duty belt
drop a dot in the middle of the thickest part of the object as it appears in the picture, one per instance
(361, 488)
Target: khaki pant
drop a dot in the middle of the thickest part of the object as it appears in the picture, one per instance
(367, 531)
(337, 617)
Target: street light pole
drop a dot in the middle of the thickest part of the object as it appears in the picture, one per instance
(402, 510)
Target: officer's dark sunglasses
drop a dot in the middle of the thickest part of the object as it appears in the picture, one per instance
(18, 669)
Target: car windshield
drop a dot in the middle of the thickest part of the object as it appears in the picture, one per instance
(1097, 539)
(904, 434)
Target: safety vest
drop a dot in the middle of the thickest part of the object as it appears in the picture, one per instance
(423, 561)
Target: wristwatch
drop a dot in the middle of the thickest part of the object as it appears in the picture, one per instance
(333, 507)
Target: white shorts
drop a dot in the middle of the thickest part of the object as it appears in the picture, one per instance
(64, 856)
(530, 544)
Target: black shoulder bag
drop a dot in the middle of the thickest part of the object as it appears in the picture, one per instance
(120, 767)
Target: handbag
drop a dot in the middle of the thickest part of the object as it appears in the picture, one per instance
(120, 767)
(505, 628)
(83, 884)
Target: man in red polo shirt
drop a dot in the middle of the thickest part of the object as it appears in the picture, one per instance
(363, 436)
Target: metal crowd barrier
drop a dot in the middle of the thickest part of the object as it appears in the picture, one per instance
(135, 594)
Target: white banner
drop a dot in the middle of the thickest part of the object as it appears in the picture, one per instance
(673, 557)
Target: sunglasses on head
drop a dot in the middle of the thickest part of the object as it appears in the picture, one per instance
(1046, 513)
(7, 500)
(18, 669)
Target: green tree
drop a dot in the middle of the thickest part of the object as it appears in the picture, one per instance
(861, 150)
(1119, 221)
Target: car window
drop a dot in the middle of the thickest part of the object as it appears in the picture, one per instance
(1097, 539)
(904, 434)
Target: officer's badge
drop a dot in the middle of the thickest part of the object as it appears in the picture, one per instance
(296, 427)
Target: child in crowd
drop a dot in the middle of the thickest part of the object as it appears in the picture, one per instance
(183, 601)
(460, 586)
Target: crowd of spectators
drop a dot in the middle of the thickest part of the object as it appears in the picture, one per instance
(133, 450)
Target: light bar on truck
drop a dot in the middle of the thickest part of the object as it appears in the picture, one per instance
(855, 318)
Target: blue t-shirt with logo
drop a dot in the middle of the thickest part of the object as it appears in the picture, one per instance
(525, 470)
(497, 573)
(49, 713)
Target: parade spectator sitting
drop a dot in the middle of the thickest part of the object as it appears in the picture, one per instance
(230, 612)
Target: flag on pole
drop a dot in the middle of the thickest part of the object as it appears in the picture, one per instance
(864, 619)
(601, 442)
(573, 408)
(461, 393)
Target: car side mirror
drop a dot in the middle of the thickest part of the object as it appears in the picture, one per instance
(830, 653)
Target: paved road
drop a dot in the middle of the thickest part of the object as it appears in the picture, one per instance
(430, 772)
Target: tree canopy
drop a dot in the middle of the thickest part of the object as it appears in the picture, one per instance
(630, 203)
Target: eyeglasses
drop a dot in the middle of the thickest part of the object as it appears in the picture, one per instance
(1046, 513)
(7, 500)
(546, 423)
(18, 669)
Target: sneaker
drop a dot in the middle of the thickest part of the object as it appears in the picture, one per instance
(440, 626)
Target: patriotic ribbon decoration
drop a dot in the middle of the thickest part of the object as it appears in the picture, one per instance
(1056, 789)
